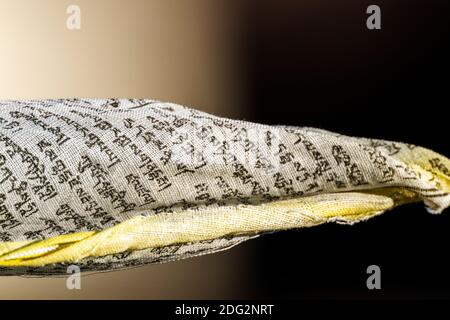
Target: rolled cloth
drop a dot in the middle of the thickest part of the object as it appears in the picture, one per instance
(114, 183)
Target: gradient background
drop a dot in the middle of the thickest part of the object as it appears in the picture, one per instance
(303, 63)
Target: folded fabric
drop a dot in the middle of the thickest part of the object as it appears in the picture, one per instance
(115, 183)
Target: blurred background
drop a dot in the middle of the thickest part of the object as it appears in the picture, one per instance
(302, 63)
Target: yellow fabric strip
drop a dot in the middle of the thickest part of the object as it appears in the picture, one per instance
(190, 226)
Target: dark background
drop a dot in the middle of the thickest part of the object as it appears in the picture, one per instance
(314, 63)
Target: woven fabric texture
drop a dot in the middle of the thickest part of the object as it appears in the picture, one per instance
(115, 183)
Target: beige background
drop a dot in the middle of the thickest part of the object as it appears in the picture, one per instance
(172, 50)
